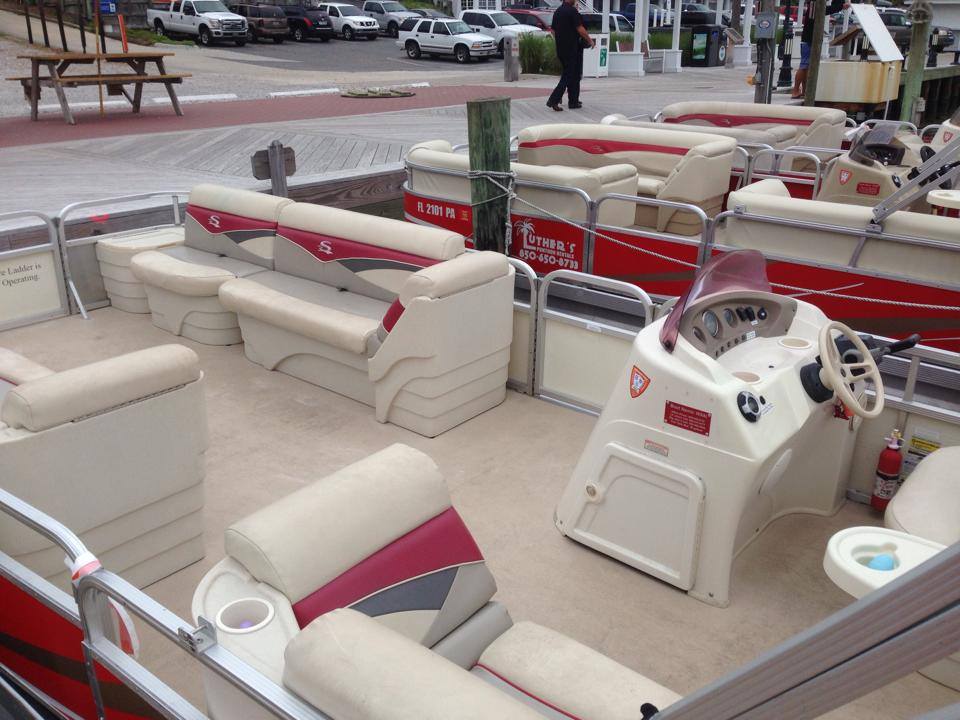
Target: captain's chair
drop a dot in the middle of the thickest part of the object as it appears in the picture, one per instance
(928, 503)
(381, 538)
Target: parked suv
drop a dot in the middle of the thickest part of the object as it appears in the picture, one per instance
(540, 19)
(389, 15)
(305, 20)
(496, 24)
(446, 37)
(263, 21)
(349, 21)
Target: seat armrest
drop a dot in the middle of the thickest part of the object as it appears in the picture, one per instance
(95, 388)
(351, 666)
(613, 173)
(452, 276)
(185, 278)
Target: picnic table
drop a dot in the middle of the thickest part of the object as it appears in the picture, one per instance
(135, 73)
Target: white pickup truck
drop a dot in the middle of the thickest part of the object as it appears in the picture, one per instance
(207, 20)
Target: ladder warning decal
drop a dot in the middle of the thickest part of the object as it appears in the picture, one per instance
(687, 418)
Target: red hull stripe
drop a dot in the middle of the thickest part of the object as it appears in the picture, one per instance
(526, 692)
(442, 541)
(736, 120)
(216, 222)
(392, 315)
(601, 147)
(327, 248)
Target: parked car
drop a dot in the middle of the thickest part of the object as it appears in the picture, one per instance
(263, 21)
(618, 23)
(206, 20)
(535, 5)
(429, 13)
(496, 24)
(538, 18)
(305, 19)
(388, 14)
(446, 37)
(349, 22)
(900, 29)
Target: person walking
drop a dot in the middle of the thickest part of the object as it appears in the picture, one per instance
(571, 37)
(806, 42)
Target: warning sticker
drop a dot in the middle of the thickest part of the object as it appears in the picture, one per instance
(921, 444)
(868, 188)
(686, 417)
(656, 447)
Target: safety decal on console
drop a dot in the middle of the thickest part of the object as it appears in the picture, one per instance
(845, 176)
(638, 382)
(687, 418)
(865, 188)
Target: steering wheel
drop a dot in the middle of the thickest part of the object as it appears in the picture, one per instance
(837, 375)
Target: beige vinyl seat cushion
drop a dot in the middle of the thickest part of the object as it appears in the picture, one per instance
(187, 271)
(541, 667)
(344, 320)
(56, 398)
(17, 369)
(928, 502)
(774, 135)
(354, 668)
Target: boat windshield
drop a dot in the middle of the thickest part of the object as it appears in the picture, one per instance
(738, 270)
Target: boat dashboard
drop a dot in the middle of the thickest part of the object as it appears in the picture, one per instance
(716, 324)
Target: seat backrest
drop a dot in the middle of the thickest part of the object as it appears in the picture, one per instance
(771, 198)
(363, 254)
(613, 178)
(815, 127)
(378, 536)
(236, 223)
(928, 502)
(775, 135)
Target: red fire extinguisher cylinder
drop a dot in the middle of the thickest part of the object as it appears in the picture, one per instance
(888, 473)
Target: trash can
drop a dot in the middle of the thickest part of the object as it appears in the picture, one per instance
(708, 48)
(595, 60)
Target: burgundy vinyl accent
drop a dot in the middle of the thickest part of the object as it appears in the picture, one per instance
(729, 121)
(226, 222)
(11, 382)
(601, 147)
(441, 542)
(392, 315)
(738, 270)
(327, 248)
(527, 692)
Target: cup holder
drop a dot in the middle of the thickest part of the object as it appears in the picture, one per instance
(794, 343)
(877, 557)
(245, 615)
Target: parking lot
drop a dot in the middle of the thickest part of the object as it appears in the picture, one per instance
(357, 56)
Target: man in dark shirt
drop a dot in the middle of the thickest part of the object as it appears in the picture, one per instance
(570, 36)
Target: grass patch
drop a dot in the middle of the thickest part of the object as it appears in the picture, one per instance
(538, 55)
(625, 41)
(145, 36)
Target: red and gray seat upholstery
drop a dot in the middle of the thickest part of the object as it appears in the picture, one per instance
(369, 567)
(228, 233)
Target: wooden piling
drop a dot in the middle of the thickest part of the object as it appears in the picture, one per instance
(920, 14)
(816, 49)
(488, 132)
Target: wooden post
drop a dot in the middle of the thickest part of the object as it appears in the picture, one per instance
(816, 48)
(488, 132)
(766, 54)
(920, 14)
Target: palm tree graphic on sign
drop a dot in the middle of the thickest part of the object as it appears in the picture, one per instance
(525, 228)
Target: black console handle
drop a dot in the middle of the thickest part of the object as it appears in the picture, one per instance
(901, 345)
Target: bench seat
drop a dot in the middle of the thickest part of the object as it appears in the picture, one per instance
(108, 79)
(114, 253)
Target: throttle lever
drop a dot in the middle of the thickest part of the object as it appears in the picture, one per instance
(901, 345)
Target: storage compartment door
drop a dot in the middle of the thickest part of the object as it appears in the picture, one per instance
(646, 513)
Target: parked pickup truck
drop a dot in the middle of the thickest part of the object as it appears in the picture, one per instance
(207, 20)
(389, 15)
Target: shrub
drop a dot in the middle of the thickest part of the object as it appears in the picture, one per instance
(538, 55)
(624, 39)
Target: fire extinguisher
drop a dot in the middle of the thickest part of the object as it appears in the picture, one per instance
(888, 472)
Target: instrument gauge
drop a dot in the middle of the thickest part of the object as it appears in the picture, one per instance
(711, 322)
(731, 317)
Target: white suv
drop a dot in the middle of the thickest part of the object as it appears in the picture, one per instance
(349, 21)
(446, 37)
(389, 15)
(496, 24)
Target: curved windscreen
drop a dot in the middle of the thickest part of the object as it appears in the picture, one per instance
(737, 270)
